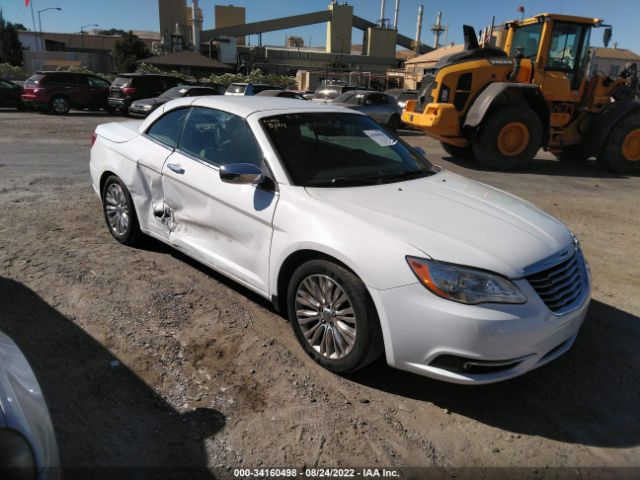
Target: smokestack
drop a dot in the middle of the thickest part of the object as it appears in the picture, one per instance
(437, 30)
(395, 15)
(382, 12)
(195, 26)
(419, 28)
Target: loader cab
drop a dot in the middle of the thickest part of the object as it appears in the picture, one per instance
(558, 46)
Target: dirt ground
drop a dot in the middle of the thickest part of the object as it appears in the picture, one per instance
(148, 359)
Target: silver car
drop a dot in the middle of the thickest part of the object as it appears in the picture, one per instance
(382, 108)
(28, 447)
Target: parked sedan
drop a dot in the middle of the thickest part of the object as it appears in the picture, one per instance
(350, 232)
(402, 96)
(142, 108)
(383, 108)
(28, 446)
(248, 89)
(10, 94)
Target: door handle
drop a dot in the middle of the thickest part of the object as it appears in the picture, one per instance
(176, 168)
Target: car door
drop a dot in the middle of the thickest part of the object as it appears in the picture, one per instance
(80, 91)
(150, 151)
(227, 226)
(374, 107)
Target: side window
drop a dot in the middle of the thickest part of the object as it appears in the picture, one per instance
(5, 85)
(564, 47)
(527, 39)
(219, 138)
(375, 99)
(98, 82)
(80, 80)
(168, 128)
(59, 78)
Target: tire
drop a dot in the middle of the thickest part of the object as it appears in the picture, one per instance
(116, 196)
(509, 138)
(59, 105)
(367, 345)
(394, 123)
(457, 152)
(621, 151)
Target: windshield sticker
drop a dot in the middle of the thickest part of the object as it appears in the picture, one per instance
(380, 138)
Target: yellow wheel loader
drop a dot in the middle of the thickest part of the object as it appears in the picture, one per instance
(502, 105)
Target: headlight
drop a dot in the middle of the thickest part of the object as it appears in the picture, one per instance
(147, 107)
(464, 285)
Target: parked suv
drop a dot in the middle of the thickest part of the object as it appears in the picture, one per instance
(242, 89)
(128, 87)
(57, 92)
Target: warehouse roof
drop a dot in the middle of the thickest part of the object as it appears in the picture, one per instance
(186, 58)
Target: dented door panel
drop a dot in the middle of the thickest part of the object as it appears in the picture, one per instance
(228, 226)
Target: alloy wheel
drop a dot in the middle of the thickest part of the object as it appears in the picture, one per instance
(326, 317)
(117, 208)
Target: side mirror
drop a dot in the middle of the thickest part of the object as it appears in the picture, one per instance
(606, 36)
(240, 173)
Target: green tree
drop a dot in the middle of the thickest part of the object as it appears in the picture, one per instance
(127, 50)
(10, 47)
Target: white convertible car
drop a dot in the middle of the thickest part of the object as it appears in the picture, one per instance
(353, 234)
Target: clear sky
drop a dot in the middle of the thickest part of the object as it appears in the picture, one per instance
(624, 15)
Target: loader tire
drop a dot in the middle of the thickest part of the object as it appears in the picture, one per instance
(508, 138)
(621, 151)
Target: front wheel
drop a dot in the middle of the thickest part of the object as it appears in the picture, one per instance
(333, 316)
(621, 151)
(508, 138)
(119, 212)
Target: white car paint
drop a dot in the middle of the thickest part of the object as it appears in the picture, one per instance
(24, 410)
(247, 234)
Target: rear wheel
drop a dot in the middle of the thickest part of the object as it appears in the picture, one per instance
(457, 152)
(621, 152)
(509, 138)
(59, 105)
(119, 212)
(333, 316)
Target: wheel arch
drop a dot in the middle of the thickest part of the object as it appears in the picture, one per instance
(505, 93)
(289, 265)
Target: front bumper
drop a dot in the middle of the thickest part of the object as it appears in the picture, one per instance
(422, 332)
(139, 112)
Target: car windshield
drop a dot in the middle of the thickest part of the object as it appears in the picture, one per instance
(351, 98)
(328, 93)
(175, 92)
(236, 88)
(342, 149)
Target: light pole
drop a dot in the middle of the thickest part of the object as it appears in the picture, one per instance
(40, 23)
(82, 31)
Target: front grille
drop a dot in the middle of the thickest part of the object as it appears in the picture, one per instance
(563, 286)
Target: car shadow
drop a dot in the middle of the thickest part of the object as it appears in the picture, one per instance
(108, 422)
(587, 396)
(541, 166)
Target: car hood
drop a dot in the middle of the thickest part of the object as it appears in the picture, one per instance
(453, 219)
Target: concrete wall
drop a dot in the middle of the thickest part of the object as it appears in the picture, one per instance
(381, 42)
(34, 61)
(339, 29)
(228, 16)
(171, 12)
